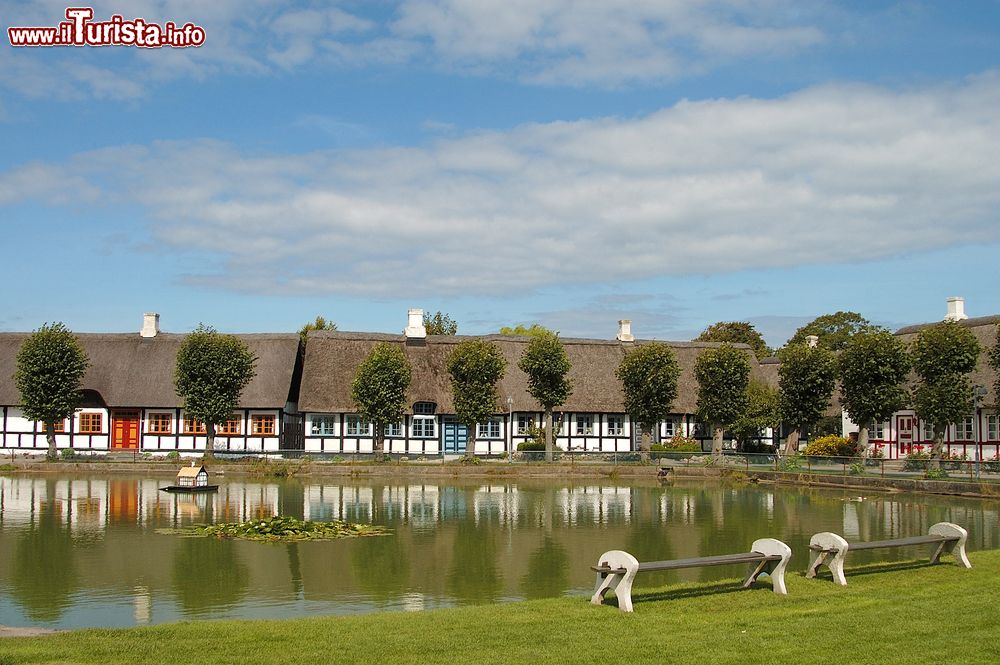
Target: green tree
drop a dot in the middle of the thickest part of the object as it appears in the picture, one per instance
(476, 367)
(319, 324)
(546, 364)
(379, 390)
(806, 378)
(723, 374)
(761, 412)
(521, 330)
(440, 323)
(833, 330)
(994, 361)
(736, 332)
(944, 355)
(649, 374)
(873, 368)
(49, 372)
(212, 371)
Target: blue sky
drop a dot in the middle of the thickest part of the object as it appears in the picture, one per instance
(568, 163)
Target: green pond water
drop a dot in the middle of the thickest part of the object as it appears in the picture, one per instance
(84, 551)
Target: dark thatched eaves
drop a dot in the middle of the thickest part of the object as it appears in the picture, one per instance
(128, 370)
(332, 359)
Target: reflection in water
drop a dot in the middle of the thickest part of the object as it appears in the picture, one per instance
(43, 569)
(548, 570)
(84, 550)
(208, 574)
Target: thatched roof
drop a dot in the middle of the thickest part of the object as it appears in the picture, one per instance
(128, 370)
(985, 330)
(332, 358)
(191, 471)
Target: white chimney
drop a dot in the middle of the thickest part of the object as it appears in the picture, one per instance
(812, 341)
(415, 324)
(625, 331)
(150, 324)
(956, 309)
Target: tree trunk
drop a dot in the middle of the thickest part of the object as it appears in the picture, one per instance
(792, 442)
(210, 441)
(644, 442)
(379, 443)
(937, 449)
(549, 438)
(717, 440)
(50, 436)
(470, 443)
(863, 442)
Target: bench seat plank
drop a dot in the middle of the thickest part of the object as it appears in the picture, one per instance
(697, 562)
(899, 542)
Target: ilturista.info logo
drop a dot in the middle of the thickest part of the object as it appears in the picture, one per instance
(80, 29)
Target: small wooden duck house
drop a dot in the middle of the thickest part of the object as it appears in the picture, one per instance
(192, 476)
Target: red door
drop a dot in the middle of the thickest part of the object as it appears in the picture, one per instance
(125, 430)
(905, 428)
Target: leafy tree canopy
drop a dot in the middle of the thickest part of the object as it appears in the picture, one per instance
(380, 385)
(943, 356)
(806, 378)
(994, 360)
(526, 331)
(319, 324)
(760, 413)
(475, 366)
(873, 368)
(736, 332)
(649, 374)
(833, 330)
(723, 374)
(440, 323)
(944, 348)
(379, 389)
(49, 370)
(212, 371)
(547, 366)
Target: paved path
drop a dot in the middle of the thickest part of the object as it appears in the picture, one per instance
(9, 631)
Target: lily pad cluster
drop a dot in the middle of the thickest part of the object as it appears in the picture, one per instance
(283, 529)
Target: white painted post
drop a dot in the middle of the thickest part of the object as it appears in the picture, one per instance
(620, 583)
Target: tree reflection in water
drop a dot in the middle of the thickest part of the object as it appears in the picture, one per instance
(43, 569)
(208, 575)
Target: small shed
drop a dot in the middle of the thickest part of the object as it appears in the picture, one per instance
(192, 476)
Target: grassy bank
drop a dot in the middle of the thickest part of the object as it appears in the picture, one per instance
(891, 613)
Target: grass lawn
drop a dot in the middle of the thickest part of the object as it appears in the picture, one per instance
(890, 613)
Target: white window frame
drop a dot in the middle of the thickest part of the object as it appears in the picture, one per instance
(584, 425)
(394, 430)
(355, 427)
(323, 426)
(877, 431)
(421, 425)
(669, 428)
(993, 427)
(926, 431)
(966, 429)
(524, 424)
(488, 430)
(616, 425)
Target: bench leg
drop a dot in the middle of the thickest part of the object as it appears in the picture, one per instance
(955, 545)
(620, 583)
(833, 549)
(774, 569)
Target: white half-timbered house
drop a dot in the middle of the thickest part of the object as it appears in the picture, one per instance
(593, 419)
(129, 400)
(976, 436)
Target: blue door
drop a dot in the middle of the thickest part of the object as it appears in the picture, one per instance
(454, 436)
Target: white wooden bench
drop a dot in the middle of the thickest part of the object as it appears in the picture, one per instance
(829, 549)
(616, 569)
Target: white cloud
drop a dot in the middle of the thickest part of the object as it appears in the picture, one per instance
(552, 42)
(828, 175)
